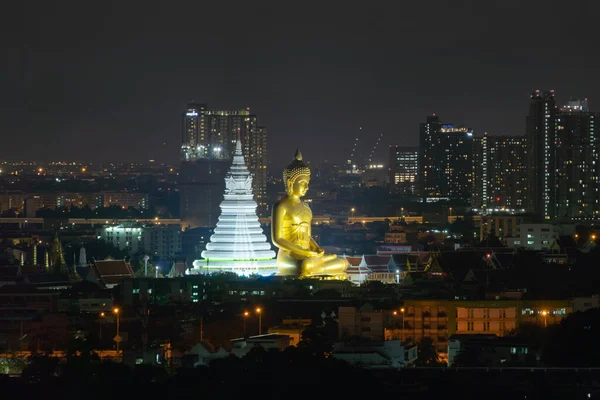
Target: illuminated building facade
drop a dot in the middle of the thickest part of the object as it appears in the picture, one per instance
(238, 244)
(440, 319)
(577, 166)
(540, 134)
(500, 173)
(160, 242)
(445, 161)
(404, 170)
(194, 143)
(208, 139)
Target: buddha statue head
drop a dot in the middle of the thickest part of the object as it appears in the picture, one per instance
(296, 176)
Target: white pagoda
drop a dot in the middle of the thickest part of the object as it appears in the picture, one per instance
(238, 244)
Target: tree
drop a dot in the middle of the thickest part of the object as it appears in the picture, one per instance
(572, 342)
(427, 355)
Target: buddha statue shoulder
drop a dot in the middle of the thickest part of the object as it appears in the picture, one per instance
(299, 254)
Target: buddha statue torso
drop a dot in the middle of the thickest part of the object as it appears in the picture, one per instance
(296, 225)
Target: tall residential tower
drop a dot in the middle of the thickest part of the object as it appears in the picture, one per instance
(207, 148)
(445, 162)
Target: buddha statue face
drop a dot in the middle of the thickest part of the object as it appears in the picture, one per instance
(299, 186)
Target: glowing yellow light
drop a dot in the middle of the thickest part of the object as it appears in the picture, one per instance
(594, 236)
(246, 313)
(259, 310)
(402, 309)
(102, 314)
(395, 313)
(83, 169)
(116, 310)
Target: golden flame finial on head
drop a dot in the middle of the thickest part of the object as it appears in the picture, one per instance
(295, 169)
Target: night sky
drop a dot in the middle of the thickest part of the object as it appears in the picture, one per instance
(108, 80)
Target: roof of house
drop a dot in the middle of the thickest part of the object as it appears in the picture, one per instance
(375, 260)
(111, 272)
(179, 267)
(354, 261)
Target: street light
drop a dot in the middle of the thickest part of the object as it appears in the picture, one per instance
(259, 312)
(450, 212)
(102, 315)
(156, 273)
(545, 314)
(246, 314)
(352, 209)
(117, 338)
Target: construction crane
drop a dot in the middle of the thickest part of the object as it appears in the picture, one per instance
(352, 161)
(375, 148)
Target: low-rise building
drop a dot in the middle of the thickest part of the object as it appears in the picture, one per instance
(489, 350)
(293, 328)
(241, 346)
(534, 236)
(376, 354)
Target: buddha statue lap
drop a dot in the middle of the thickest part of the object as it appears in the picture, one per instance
(299, 254)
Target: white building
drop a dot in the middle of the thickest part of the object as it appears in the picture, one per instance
(124, 236)
(161, 242)
(533, 236)
(241, 346)
(203, 353)
(238, 244)
(158, 241)
(376, 354)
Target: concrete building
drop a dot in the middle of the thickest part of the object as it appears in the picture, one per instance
(404, 170)
(161, 242)
(500, 226)
(365, 323)
(241, 346)
(540, 134)
(440, 319)
(445, 162)
(575, 194)
(499, 173)
(492, 350)
(376, 354)
(293, 328)
(534, 236)
(126, 236)
(208, 145)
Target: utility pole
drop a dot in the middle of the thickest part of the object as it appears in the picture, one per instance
(201, 328)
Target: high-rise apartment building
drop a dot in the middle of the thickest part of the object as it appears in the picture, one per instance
(499, 173)
(208, 144)
(445, 161)
(576, 162)
(404, 170)
(563, 151)
(194, 143)
(541, 135)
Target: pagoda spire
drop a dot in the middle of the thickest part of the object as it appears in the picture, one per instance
(238, 244)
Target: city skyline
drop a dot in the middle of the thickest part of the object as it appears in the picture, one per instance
(110, 84)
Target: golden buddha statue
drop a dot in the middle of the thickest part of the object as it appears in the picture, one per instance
(299, 254)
